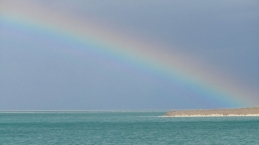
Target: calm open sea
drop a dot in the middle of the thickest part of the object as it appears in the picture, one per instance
(79, 128)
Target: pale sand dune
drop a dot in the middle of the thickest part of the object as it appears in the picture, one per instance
(253, 111)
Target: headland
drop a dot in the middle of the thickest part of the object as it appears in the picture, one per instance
(252, 111)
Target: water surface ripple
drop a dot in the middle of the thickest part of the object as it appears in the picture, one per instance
(97, 127)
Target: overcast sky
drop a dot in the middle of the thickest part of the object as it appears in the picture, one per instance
(36, 73)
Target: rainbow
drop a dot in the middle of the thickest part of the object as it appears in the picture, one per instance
(175, 67)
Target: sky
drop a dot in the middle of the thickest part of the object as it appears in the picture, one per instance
(128, 55)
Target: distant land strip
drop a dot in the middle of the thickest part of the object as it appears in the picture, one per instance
(252, 111)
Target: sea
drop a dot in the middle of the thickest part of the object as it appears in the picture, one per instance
(123, 128)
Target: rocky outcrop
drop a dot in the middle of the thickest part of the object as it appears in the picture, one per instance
(253, 111)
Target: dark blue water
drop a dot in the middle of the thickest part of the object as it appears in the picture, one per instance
(67, 128)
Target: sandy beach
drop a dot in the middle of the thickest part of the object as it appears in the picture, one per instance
(253, 111)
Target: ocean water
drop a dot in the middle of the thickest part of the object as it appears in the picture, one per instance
(96, 127)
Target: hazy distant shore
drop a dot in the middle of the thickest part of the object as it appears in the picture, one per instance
(253, 111)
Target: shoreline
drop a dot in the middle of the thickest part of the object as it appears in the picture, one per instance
(215, 115)
(236, 112)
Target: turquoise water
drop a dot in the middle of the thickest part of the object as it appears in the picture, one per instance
(79, 128)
